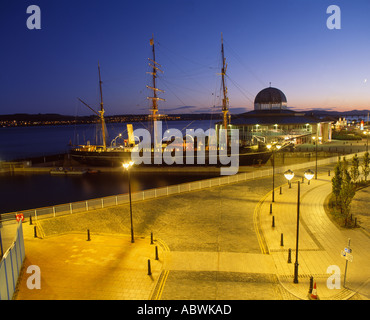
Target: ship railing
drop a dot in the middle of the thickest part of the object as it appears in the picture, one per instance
(110, 201)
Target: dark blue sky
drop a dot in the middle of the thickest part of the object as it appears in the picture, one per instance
(285, 42)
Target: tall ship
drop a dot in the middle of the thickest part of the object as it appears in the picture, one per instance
(206, 151)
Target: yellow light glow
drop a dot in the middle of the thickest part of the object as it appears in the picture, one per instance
(289, 174)
(127, 165)
(309, 174)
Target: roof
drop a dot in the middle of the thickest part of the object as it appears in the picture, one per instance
(270, 95)
(272, 117)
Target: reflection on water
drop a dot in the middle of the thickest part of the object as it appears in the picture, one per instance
(28, 191)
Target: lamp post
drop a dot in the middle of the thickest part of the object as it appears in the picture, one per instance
(269, 146)
(289, 176)
(127, 166)
(297, 237)
(367, 140)
(308, 174)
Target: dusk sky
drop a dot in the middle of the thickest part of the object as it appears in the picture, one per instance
(285, 42)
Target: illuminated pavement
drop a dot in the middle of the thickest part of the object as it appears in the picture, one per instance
(105, 268)
(320, 243)
(217, 243)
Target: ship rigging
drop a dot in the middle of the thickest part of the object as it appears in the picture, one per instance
(115, 155)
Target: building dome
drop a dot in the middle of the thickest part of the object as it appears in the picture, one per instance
(270, 99)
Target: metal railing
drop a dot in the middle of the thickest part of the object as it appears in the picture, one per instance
(11, 264)
(100, 203)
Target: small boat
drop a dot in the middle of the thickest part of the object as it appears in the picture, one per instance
(68, 171)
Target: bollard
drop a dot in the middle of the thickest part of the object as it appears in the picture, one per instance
(281, 191)
(149, 268)
(311, 285)
(156, 253)
(290, 255)
(30, 220)
(273, 221)
(35, 231)
(88, 235)
(302, 179)
(282, 240)
(270, 208)
(329, 173)
(151, 238)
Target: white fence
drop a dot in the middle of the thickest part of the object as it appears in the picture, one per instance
(83, 206)
(11, 264)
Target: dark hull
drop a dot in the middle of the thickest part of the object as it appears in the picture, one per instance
(115, 159)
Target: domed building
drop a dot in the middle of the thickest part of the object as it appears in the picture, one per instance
(270, 99)
(272, 121)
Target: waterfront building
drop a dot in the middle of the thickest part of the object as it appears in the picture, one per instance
(271, 121)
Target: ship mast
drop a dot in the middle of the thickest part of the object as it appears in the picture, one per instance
(101, 112)
(225, 100)
(154, 108)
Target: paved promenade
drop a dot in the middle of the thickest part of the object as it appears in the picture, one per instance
(108, 267)
(320, 243)
(230, 259)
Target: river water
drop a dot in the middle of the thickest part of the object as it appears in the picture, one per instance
(27, 191)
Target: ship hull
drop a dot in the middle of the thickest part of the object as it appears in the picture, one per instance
(116, 158)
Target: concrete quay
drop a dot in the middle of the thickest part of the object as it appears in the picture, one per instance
(216, 243)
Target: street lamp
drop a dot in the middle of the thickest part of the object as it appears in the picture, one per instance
(297, 237)
(309, 175)
(127, 166)
(289, 174)
(269, 146)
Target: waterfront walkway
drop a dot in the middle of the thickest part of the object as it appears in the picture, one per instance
(110, 267)
(320, 243)
(107, 267)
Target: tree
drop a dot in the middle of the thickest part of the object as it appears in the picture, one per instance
(365, 165)
(337, 181)
(346, 194)
(354, 172)
(344, 164)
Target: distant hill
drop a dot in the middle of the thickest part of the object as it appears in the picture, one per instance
(54, 117)
(352, 113)
(40, 117)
